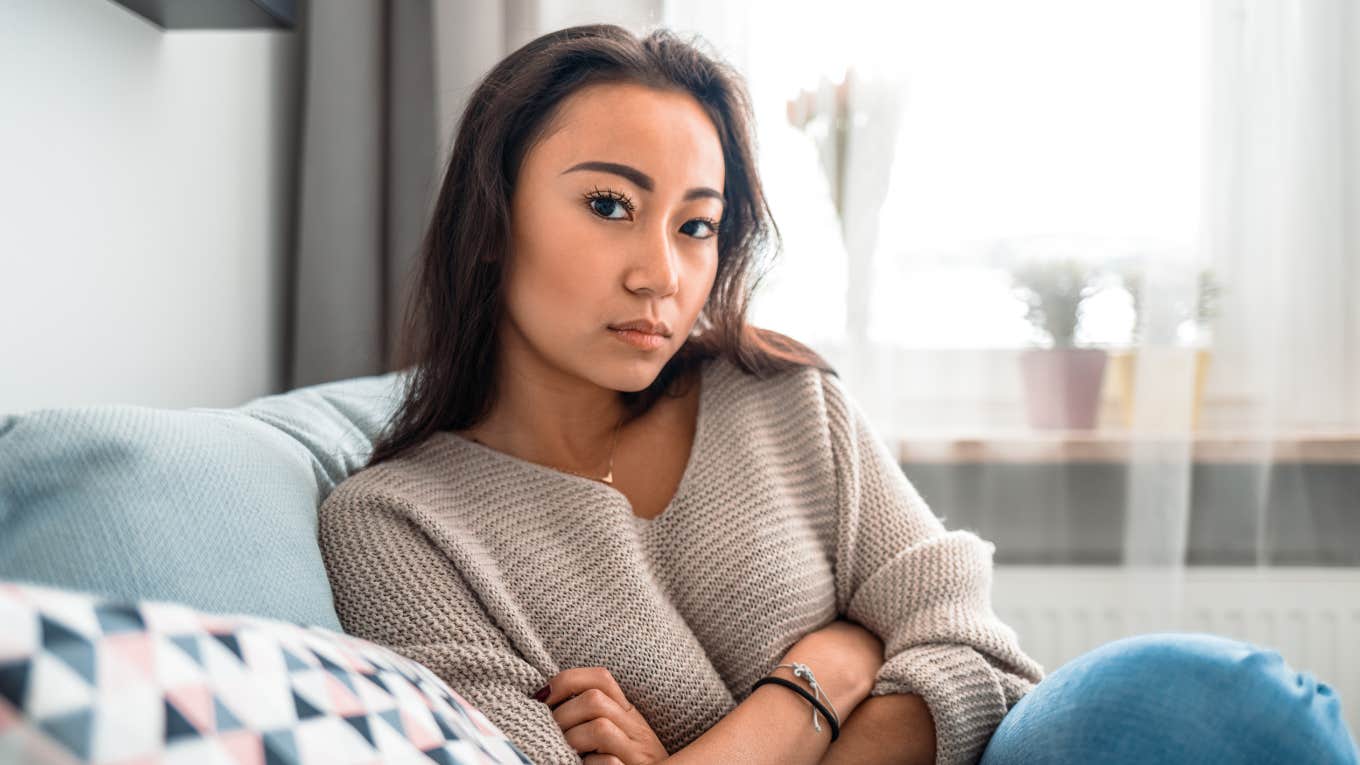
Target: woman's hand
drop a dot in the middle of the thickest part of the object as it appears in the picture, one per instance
(598, 721)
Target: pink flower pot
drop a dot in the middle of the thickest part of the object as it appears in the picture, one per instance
(1062, 386)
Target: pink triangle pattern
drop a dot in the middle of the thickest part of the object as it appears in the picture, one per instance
(244, 746)
(8, 717)
(343, 702)
(135, 648)
(479, 720)
(354, 659)
(113, 670)
(217, 625)
(418, 731)
(195, 702)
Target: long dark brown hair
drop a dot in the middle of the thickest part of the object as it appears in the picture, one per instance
(449, 330)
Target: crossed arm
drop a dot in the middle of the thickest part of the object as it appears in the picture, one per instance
(893, 729)
(952, 668)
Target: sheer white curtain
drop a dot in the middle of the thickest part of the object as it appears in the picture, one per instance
(1210, 148)
(1282, 205)
(1168, 136)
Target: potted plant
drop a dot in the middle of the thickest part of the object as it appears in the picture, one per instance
(1062, 382)
(824, 115)
(1197, 318)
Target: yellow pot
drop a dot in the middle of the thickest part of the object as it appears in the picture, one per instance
(1123, 374)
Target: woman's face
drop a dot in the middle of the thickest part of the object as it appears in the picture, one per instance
(612, 221)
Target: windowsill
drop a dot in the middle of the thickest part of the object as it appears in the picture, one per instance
(1120, 445)
(1080, 498)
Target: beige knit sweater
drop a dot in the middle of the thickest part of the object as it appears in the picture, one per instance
(498, 573)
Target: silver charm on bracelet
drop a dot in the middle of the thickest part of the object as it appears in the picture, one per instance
(805, 672)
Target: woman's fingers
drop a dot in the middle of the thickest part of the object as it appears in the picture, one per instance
(575, 681)
(598, 721)
(602, 735)
(590, 704)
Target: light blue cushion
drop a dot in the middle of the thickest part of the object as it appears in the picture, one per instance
(213, 508)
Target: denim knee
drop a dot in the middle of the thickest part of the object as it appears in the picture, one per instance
(1176, 698)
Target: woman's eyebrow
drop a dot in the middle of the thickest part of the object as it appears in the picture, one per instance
(641, 179)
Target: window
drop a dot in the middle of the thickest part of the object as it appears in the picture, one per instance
(1022, 128)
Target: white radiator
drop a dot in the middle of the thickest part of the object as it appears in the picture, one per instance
(1311, 616)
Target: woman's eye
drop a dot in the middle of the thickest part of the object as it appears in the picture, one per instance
(605, 207)
(712, 230)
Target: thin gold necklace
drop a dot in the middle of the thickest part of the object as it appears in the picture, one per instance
(609, 479)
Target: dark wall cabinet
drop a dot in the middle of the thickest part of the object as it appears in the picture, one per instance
(215, 14)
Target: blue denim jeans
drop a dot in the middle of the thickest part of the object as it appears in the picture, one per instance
(1173, 698)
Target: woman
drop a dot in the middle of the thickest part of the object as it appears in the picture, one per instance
(608, 507)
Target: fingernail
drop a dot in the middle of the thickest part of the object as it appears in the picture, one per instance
(542, 693)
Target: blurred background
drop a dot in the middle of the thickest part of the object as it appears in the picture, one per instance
(1091, 267)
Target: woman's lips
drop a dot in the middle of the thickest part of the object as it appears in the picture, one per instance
(642, 340)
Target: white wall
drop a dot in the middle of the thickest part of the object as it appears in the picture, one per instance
(145, 179)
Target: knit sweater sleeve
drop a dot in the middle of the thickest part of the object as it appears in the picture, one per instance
(394, 587)
(925, 591)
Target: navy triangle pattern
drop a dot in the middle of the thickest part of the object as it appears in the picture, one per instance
(176, 725)
(305, 710)
(328, 664)
(345, 677)
(377, 679)
(14, 682)
(279, 748)
(232, 644)
(393, 717)
(74, 650)
(292, 662)
(73, 730)
(360, 723)
(440, 754)
(55, 633)
(445, 729)
(224, 719)
(189, 645)
(118, 617)
(230, 702)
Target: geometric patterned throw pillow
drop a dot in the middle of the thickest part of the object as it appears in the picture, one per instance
(84, 679)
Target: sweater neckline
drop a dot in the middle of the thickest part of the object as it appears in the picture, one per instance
(696, 451)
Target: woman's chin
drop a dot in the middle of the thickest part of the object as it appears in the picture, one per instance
(631, 377)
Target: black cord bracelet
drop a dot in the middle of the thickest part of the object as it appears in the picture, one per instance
(830, 718)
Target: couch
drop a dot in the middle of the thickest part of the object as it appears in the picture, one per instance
(181, 544)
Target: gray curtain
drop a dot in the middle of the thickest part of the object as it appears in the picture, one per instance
(382, 84)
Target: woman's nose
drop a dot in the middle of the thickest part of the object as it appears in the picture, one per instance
(655, 269)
